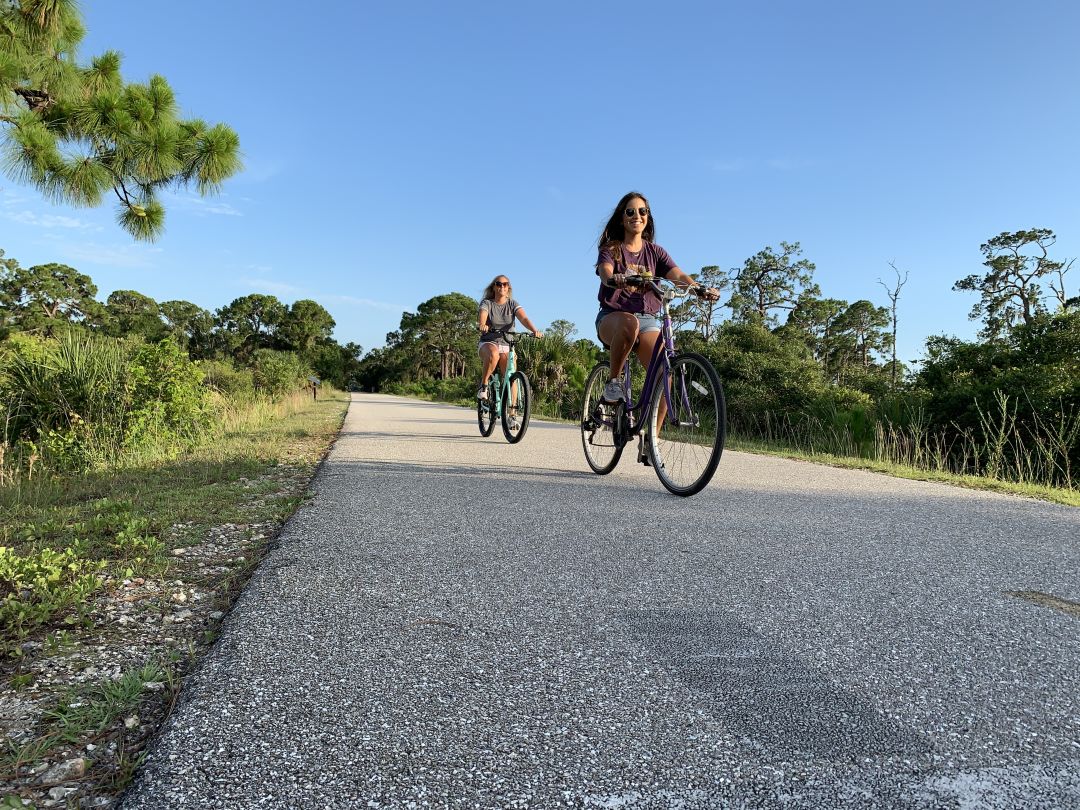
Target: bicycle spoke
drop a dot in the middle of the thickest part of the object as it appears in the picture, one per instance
(687, 447)
(597, 425)
(518, 408)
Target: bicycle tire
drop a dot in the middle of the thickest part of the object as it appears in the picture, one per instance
(485, 410)
(602, 452)
(687, 453)
(521, 402)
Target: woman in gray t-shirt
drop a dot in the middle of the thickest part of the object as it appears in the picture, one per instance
(498, 309)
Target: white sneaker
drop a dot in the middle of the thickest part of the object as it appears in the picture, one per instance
(613, 392)
(482, 393)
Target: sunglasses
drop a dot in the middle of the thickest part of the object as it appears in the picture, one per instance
(642, 212)
(502, 283)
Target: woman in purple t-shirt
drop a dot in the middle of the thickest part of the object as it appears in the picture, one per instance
(628, 317)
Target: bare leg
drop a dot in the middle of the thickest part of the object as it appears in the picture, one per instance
(619, 330)
(489, 357)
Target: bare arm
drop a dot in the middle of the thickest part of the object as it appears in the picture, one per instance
(606, 271)
(521, 316)
(680, 278)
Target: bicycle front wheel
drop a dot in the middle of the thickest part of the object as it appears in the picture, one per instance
(485, 410)
(518, 408)
(598, 424)
(685, 449)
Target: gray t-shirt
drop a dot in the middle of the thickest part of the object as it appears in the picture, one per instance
(500, 316)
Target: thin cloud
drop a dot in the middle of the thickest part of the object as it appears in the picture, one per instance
(368, 302)
(789, 164)
(725, 166)
(8, 198)
(296, 293)
(273, 287)
(34, 220)
(257, 171)
(201, 207)
(772, 164)
(108, 255)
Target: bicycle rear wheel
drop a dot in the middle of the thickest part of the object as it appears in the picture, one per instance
(518, 408)
(687, 447)
(602, 452)
(485, 410)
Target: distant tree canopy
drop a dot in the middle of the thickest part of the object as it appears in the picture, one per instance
(78, 132)
(54, 299)
(771, 281)
(1010, 291)
(42, 297)
(439, 339)
(130, 312)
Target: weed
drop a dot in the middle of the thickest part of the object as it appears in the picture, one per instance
(91, 711)
(38, 589)
(60, 640)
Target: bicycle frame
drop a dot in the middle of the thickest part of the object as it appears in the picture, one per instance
(502, 384)
(658, 370)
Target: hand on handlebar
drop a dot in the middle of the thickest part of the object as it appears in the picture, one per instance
(706, 293)
(625, 281)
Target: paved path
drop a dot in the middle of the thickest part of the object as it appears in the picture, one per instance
(454, 621)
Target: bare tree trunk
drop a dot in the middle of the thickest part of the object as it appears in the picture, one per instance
(894, 295)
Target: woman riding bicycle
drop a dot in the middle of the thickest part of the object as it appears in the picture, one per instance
(497, 313)
(628, 316)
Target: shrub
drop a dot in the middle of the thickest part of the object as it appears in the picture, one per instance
(224, 377)
(278, 373)
(168, 405)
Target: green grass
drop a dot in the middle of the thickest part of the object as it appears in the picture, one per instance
(84, 713)
(1068, 497)
(126, 522)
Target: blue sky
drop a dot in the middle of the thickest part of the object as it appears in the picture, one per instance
(397, 151)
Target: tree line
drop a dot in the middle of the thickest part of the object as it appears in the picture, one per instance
(46, 299)
(818, 373)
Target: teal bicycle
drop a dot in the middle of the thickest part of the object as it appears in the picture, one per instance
(509, 398)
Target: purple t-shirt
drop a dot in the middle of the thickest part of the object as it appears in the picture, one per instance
(653, 259)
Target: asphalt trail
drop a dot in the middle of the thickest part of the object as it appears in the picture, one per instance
(454, 621)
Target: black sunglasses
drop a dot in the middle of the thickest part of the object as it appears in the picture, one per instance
(642, 212)
(502, 283)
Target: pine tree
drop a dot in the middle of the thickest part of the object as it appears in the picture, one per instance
(78, 132)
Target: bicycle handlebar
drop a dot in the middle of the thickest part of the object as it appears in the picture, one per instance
(675, 291)
(511, 337)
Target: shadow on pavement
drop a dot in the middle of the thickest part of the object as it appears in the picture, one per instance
(759, 692)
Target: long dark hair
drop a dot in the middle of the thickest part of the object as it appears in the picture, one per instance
(614, 232)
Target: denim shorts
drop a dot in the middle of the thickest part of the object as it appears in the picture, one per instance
(646, 322)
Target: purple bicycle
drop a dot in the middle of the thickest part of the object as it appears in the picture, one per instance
(682, 445)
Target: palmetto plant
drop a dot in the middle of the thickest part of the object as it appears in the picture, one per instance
(70, 401)
(79, 132)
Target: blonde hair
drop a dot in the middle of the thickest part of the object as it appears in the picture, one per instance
(489, 291)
